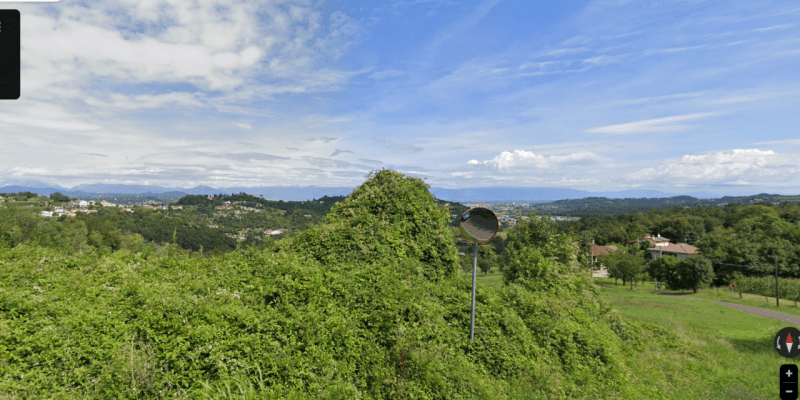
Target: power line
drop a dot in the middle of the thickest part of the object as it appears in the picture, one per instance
(756, 266)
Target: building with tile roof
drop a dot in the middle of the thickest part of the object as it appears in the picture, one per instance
(679, 250)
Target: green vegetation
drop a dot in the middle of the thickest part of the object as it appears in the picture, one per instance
(690, 273)
(366, 305)
(364, 300)
(58, 197)
(746, 239)
(788, 288)
(626, 264)
(602, 206)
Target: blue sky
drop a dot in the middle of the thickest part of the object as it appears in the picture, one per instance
(677, 96)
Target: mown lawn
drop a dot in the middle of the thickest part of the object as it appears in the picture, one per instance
(493, 279)
(753, 300)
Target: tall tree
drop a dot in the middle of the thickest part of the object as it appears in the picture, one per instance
(691, 273)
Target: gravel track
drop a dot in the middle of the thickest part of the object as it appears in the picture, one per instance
(792, 319)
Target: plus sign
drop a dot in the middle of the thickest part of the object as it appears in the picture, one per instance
(789, 373)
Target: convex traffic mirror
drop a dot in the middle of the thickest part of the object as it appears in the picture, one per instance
(479, 225)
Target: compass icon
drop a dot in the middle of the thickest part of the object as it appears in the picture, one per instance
(787, 342)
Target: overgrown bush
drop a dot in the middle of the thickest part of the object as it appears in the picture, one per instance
(389, 216)
(364, 306)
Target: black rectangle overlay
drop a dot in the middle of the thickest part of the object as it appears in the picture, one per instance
(9, 54)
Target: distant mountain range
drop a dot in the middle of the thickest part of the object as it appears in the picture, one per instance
(544, 194)
(302, 193)
(286, 193)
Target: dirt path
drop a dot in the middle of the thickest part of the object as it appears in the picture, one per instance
(791, 319)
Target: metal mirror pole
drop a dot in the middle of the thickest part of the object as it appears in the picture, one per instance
(478, 225)
(474, 276)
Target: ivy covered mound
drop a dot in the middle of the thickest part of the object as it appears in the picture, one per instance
(389, 216)
(365, 306)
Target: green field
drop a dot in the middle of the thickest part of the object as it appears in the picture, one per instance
(733, 353)
(735, 356)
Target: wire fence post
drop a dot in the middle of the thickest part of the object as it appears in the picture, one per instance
(777, 295)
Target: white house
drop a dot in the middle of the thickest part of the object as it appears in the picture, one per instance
(83, 203)
(47, 213)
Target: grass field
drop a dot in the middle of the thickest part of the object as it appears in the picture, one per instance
(732, 353)
(742, 361)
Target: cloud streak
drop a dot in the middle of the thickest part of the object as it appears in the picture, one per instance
(655, 125)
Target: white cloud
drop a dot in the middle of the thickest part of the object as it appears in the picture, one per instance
(214, 45)
(389, 73)
(49, 123)
(22, 171)
(655, 99)
(746, 98)
(566, 50)
(739, 165)
(787, 141)
(144, 101)
(522, 158)
(666, 124)
(602, 60)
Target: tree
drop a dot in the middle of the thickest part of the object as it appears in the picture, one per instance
(486, 258)
(661, 268)
(691, 273)
(625, 264)
(56, 196)
(25, 196)
(630, 267)
(485, 266)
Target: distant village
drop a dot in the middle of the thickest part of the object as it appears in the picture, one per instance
(508, 213)
(72, 207)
